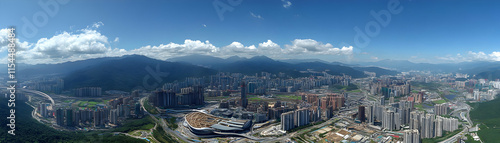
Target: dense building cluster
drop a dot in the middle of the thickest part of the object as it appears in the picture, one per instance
(103, 115)
(88, 92)
(390, 87)
(188, 96)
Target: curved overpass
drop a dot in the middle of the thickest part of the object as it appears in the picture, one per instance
(35, 92)
(39, 93)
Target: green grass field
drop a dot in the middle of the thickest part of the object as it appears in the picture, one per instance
(255, 99)
(90, 103)
(136, 124)
(439, 101)
(290, 97)
(150, 107)
(487, 113)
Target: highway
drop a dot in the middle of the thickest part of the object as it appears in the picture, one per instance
(162, 123)
(35, 92)
(465, 130)
(39, 93)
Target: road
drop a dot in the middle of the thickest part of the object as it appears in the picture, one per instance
(162, 123)
(282, 138)
(39, 93)
(465, 130)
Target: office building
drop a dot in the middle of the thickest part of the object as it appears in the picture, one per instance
(113, 115)
(439, 127)
(165, 99)
(43, 109)
(388, 120)
(301, 117)
(69, 117)
(60, 117)
(411, 136)
(361, 114)
(244, 100)
(76, 118)
(98, 118)
(138, 110)
(381, 100)
(370, 114)
(441, 109)
(88, 92)
(287, 122)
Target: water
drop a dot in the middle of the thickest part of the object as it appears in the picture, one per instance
(450, 97)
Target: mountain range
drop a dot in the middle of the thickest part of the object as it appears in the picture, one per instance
(127, 72)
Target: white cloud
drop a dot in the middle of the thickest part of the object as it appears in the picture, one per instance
(310, 46)
(204, 25)
(374, 58)
(97, 24)
(89, 43)
(286, 3)
(472, 56)
(66, 46)
(256, 16)
(271, 49)
(495, 56)
(173, 50)
(4, 42)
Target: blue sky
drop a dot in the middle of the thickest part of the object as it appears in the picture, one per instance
(423, 30)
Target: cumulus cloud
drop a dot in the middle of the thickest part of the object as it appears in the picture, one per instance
(472, 56)
(97, 24)
(4, 42)
(310, 46)
(236, 48)
(67, 45)
(90, 43)
(172, 49)
(256, 15)
(286, 3)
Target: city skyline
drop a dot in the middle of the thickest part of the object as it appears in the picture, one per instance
(416, 30)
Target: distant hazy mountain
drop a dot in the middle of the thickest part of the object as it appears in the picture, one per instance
(129, 72)
(204, 60)
(234, 59)
(259, 64)
(490, 75)
(377, 70)
(25, 71)
(296, 61)
(331, 69)
(405, 65)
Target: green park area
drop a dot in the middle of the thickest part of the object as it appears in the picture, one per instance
(432, 86)
(439, 101)
(289, 97)
(89, 103)
(129, 126)
(149, 107)
(486, 114)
